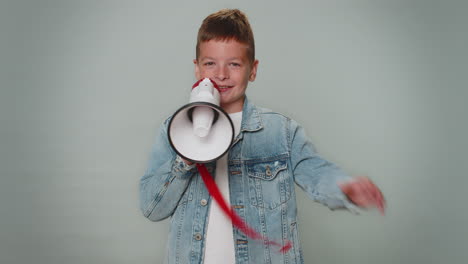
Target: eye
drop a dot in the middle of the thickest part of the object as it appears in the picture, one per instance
(208, 63)
(235, 64)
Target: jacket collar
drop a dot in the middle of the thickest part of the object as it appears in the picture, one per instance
(251, 120)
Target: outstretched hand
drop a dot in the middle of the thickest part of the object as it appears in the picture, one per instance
(364, 193)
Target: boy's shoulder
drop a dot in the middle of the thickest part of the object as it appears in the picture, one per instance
(269, 113)
(269, 118)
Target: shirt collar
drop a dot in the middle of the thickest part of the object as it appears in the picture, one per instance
(251, 120)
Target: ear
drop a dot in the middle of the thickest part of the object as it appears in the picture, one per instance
(197, 70)
(253, 71)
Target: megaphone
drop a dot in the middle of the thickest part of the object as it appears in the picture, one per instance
(201, 131)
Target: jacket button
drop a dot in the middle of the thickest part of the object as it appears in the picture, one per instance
(203, 202)
(198, 237)
(268, 171)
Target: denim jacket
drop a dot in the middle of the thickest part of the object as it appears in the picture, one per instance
(269, 155)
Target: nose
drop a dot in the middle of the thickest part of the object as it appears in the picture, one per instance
(222, 73)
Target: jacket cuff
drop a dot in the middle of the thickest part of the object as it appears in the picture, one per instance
(340, 201)
(334, 198)
(182, 169)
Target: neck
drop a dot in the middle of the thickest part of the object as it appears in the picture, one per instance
(234, 107)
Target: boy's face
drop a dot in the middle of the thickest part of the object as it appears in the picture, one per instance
(226, 63)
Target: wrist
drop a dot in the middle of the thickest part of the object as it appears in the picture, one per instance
(187, 162)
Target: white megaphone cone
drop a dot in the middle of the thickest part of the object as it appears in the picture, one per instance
(201, 131)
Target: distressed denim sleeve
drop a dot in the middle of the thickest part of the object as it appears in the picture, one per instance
(316, 176)
(165, 180)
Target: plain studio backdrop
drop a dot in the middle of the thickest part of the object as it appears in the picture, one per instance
(380, 86)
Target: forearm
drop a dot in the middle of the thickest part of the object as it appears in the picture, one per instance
(321, 183)
(165, 180)
(318, 177)
(161, 189)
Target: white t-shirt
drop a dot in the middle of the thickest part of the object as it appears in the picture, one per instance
(219, 235)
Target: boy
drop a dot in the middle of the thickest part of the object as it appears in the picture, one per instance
(257, 175)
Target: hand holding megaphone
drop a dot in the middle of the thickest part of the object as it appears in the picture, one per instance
(201, 131)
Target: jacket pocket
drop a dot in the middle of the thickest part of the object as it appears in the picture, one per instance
(269, 184)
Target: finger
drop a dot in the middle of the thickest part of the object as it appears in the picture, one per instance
(361, 195)
(370, 191)
(364, 188)
(382, 203)
(375, 194)
(378, 199)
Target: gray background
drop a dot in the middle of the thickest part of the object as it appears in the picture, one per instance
(379, 85)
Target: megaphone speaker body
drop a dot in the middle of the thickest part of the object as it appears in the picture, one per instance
(201, 131)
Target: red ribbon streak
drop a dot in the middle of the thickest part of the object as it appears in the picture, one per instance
(235, 218)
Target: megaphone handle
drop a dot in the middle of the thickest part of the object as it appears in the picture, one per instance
(235, 218)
